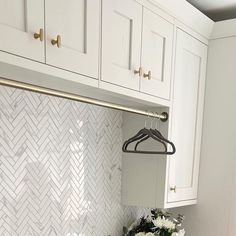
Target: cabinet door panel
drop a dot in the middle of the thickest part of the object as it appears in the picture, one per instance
(187, 117)
(77, 23)
(156, 55)
(121, 42)
(19, 20)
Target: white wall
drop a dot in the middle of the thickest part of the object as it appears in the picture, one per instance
(215, 215)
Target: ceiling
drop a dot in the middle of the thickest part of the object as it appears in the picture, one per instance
(216, 9)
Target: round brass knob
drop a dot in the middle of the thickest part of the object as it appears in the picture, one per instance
(148, 75)
(139, 71)
(57, 41)
(173, 189)
(39, 35)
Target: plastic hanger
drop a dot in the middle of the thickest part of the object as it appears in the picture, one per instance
(162, 140)
(145, 134)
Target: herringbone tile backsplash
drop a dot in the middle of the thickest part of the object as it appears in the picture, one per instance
(60, 167)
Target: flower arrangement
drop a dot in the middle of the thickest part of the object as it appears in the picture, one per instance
(160, 223)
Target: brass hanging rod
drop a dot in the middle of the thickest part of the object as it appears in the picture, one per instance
(38, 89)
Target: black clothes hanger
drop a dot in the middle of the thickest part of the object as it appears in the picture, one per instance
(162, 140)
(145, 134)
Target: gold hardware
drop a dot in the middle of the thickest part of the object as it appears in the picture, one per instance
(57, 41)
(148, 75)
(173, 189)
(78, 98)
(139, 71)
(39, 35)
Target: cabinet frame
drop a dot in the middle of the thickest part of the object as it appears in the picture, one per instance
(159, 84)
(21, 42)
(130, 12)
(71, 57)
(141, 29)
(199, 50)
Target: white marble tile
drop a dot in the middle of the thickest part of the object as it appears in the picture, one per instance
(60, 167)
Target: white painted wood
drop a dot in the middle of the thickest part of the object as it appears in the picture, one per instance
(28, 71)
(121, 42)
(148, 4)
(217, 192)
(77, 22)
(187, 14)
(78, 25)
(157, 41)
(190, 202)
(134, 95)
(60, 17)
(190, 31)
(223, 29)
(187, 114)
(19, 20)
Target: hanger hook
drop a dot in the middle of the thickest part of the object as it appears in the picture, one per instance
(149, 115)
(145, 122)
(150, 118)
(153, 113)
(158, 121)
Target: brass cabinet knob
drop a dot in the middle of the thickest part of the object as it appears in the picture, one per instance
(139, 71)
(173, 189)
(39, 35)
(148, 75)
(57, 41)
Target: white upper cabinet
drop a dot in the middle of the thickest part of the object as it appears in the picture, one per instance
(136, 48)
(19, 21)
(171, 181)
(43, 41)
(157, 40)
(121, 42)
(186, 118)
(74, 28)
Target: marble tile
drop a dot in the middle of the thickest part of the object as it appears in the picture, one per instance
(60, 167)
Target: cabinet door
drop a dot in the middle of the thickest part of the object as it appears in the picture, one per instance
(156, 55)
(121, 42)
(74, 25)
(187, 115)
(19, 20)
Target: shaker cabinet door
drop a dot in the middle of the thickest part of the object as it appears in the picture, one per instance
(73, 35)
(187, 115)
(156, 57)
(121, 42)
(19, 21)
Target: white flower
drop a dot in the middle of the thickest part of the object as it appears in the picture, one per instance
(182, 232)
(175, 234)
(168, 224)
(150, 234)
(163, 223)
(140, 234)
(158, 222)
